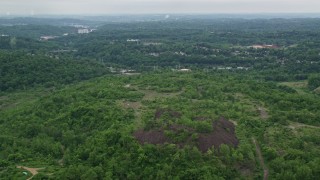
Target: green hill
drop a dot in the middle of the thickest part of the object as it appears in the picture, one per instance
(109, 127)
(20, 70)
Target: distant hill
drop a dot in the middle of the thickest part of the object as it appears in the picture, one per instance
(58, 21)
(35, 31)
(19, 70)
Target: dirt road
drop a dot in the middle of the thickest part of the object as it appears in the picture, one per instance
(258, 151)
(33, 171)
(294, 125)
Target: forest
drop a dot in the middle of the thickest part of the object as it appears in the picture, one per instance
(189, 98)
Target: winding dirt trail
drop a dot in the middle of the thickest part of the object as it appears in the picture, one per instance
(258, 150)
(294, 125)
(33, 171)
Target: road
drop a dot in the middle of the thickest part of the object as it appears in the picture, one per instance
(33, 171)
(261, 160)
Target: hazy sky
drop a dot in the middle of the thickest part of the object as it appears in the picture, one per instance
(28, 7)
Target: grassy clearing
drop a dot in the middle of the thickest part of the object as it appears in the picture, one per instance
(253, 107)
(21, 98)
(137, 107)
(300, 86)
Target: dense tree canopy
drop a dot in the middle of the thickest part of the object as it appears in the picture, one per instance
(192, 98)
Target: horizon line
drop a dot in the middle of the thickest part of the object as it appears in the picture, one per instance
(167, 13)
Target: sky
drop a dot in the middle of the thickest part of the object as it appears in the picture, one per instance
(98, 7)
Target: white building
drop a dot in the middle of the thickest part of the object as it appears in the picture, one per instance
(184, 70)
(133, 40)
(46, 38)
(83, 31)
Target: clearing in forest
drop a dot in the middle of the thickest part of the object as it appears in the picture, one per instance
(299, 86)
(223, 133)
(263, 112)
(21, 98)
(33, 171)
(253, 105)
(131, 105)
(317, 90)
(149, 95)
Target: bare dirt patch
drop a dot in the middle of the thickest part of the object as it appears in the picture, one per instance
(131, 105)
(223, 133)
(179, 127)
(150, 137)
(33, 171)
(127, 86)
(234, 122)
(263, 112)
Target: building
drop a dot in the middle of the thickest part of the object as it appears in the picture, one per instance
(83, 31)
(264, 46)
(133, 40)
(184, 70)
(46, 38)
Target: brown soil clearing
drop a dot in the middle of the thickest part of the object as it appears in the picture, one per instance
(33, 171)
(223, 133)
(150, 137)
(131, 105)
